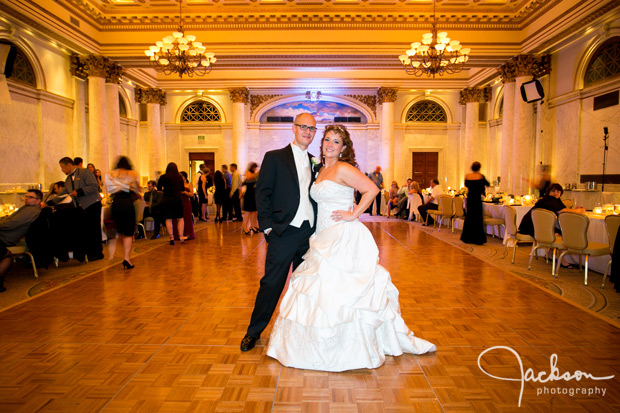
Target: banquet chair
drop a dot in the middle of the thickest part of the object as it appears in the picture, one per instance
(568, 203)
(512, 234)
(447, 210)
(457, 209)
(139, 205)
(436, 213)
(494, 222)
(575, 240)
(544, 235)
(612, 222)
(23, 250)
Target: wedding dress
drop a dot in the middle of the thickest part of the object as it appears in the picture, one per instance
(341, 310)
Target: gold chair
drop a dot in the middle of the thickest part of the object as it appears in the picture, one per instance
(434, 212)
(512, 234)
(544, 234)
(139, 206)
(23, 250)
(568, 203)
(457, 209)
(445, 206)
(612, 222)
(575, 239)
(494, 222)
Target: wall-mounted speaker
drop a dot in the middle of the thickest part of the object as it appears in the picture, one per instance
(532, 91)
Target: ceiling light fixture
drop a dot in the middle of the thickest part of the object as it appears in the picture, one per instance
(180, 54)
(435, 55)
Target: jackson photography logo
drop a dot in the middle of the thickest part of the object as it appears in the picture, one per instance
(546, 377)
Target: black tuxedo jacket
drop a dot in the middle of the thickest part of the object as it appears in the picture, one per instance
(277, 190)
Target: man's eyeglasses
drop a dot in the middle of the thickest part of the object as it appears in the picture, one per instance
(306, 127)
(30, 197)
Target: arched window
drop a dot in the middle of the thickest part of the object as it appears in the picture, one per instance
(23, 71)
(200, 111)
(605, 62)
(426, 111)
(122, 109)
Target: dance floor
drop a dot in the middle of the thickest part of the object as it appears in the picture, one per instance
(164, 337)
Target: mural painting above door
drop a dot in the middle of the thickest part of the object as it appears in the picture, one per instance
(323, 112)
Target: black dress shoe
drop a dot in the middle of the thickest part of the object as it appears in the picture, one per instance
(248, 343)
(95, 258)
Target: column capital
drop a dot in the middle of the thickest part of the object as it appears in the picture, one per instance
(473, 95)
(78, 67)
(387, 94)
(525, 65)
(239, 94)
(368, 100)
(83, 66)
(150, 95)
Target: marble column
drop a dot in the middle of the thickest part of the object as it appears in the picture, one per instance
(524, 136)
(153, 98)
(239, 96)
(79, 145)
(96, 67)
(113, 79)
(471, 98)
(387, 97)
(506, 146)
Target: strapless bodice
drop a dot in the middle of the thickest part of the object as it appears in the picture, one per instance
(330, 196)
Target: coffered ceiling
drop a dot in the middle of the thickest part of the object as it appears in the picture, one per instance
(342, 43)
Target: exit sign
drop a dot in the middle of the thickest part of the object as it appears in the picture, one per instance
(201, 137)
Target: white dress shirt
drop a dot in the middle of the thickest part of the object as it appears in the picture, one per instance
(305, 210)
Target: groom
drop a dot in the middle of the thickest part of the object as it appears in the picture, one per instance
(287, 215)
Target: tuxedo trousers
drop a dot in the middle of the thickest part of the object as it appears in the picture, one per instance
(282, 252)
(92, 231)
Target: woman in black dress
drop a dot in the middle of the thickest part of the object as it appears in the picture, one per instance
(249, 199)
(220, 194)
(123, 186)
(473, 228)
(172, 185)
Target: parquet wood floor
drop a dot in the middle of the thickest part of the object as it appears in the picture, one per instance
(165, 336)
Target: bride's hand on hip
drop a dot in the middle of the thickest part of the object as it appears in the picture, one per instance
(340, 215)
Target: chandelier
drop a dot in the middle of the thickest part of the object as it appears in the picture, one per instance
(180, 54)
(437, 54)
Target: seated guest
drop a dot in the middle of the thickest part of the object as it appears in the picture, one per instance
(15, 226)
(152, 197)
(416, 199)
(401, 204)
(392, 198)
(432, 202)
(553, 203)
(54, 199)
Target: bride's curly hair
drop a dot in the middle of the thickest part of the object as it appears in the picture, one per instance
(348, 153)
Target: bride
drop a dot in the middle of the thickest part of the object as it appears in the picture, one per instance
(341, 310)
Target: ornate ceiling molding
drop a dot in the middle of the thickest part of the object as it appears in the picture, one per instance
(475, 95)
(257, 100)
(369, 100)
(150, 95)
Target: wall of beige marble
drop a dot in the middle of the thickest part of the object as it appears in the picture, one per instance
(39, 127)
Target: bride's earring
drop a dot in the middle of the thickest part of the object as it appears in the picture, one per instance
(340, 155)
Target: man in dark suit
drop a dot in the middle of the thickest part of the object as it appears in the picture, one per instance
(83, 187)
(287, 216)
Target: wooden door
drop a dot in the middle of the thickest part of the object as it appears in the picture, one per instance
(424, 167)
(197, 158)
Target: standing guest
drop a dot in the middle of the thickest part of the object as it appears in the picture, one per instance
(122, 183)
(473, 228)
(82, 185)
(203, 183)
(91, 167)
(78, 162)
(249, 199)
(152, 198)
(188, 217)
(235, 193)
(202, 195)
(377, 178)
(432, 202)
(227, 205)
(99, 177)
(172, 185)
(15, 226)
(287, 216)
(392, 198)
(220, 194)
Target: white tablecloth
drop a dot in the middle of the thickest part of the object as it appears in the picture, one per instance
(497, 211)
(589, 199)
